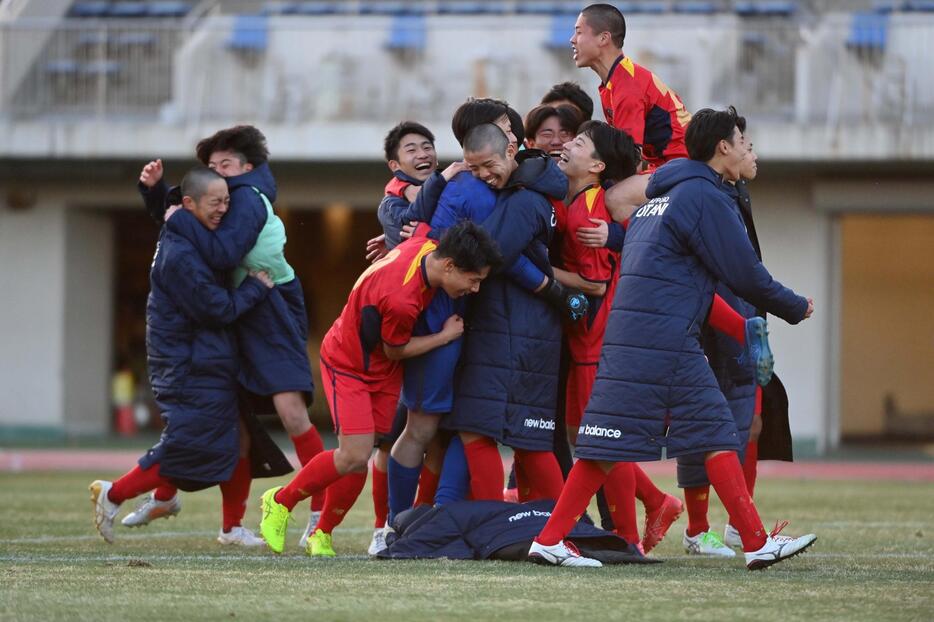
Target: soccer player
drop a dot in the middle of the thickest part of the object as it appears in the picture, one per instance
(548, 127)
(570, 94)
(272, 337)
(654, 388)
(193, 368)
(634, 99)
(361, 364)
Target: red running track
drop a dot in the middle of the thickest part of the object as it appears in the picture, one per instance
(45, 460)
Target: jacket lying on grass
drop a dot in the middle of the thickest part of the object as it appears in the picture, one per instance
(494, 530)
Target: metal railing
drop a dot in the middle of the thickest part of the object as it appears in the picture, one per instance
(299, 70)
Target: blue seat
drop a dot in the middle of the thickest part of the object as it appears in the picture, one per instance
(919, 6)
(773, 8)
(869, 31)
(133, 39)
(407, 32)
(457, 7)
(316, 8)
(646, 8)
(250, 33)
(540, 8)
(886, 6)
(562, 29)
(108, 68)
(92, 37)
(127, 9)
(695, 8)
(89, 9)
(162, 8)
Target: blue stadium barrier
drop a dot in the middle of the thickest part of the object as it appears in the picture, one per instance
(249, 33)
(562, 28)
(127, 9)
(407, 32)
(868, 31)
(89, 9)
(458, 7)
(167, 9)
(391, 8)
(695, 8)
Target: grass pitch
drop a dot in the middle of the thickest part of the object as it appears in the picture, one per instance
(874, 560)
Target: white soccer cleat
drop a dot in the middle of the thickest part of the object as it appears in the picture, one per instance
(378, 543)
(731, 537)
(105, 510)
(561, 554)
(151, 509)
(778, 548)
(706, 543)
(240, 536)
(313, 519)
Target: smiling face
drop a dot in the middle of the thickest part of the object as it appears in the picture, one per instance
(577, 158)
(456, 282)
(585, 43)
(550, 137)
(210, 208)
(416, 157)
(491, 167)
(229, 164)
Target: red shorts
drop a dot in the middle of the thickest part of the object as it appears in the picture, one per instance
(580, 384)
(359, 407)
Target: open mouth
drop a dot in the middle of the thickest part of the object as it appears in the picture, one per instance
(424, 166)
(557, 154)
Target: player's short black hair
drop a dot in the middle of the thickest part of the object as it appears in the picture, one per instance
(394, 137)
(244, 140)
(486, 136)
(706, 129)
(196, 181)
(568, 116)
(470, 247)
(606, 18)
(615, 148)
(572, 92)
(476, 111)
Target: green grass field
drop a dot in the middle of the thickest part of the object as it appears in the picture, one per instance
(874, 560)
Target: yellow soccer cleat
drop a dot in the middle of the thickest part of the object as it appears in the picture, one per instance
(275, 520)
(319, 545)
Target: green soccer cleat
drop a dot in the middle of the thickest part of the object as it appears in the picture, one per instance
(275, 520)
(319, 545)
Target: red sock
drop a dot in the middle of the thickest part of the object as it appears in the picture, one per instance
(164, 493)
(427, 487)
(135, 482)
(312, 479)
(724, 319)
(696, 500)
(620, 489)
(583, 481)
(726, 477)
(647, 492)
(380, 496)
(543, 475)
(234, 493)
(339, 498)
(486, 469)
(307, 446)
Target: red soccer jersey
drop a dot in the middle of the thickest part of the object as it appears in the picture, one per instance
(638, 103)
(396, 187)
(382, 308)
(600, 265)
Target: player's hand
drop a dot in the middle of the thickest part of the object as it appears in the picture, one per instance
(408, 230)
(411, 192)
(168, 213)
(453, 169)
(376, 248)
(151, 173)
(595, 236)
(571, 303)
(263, 278)
(453, 327)
(810, 310)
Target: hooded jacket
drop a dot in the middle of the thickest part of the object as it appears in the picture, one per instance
(507, 382)
(654, 387)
